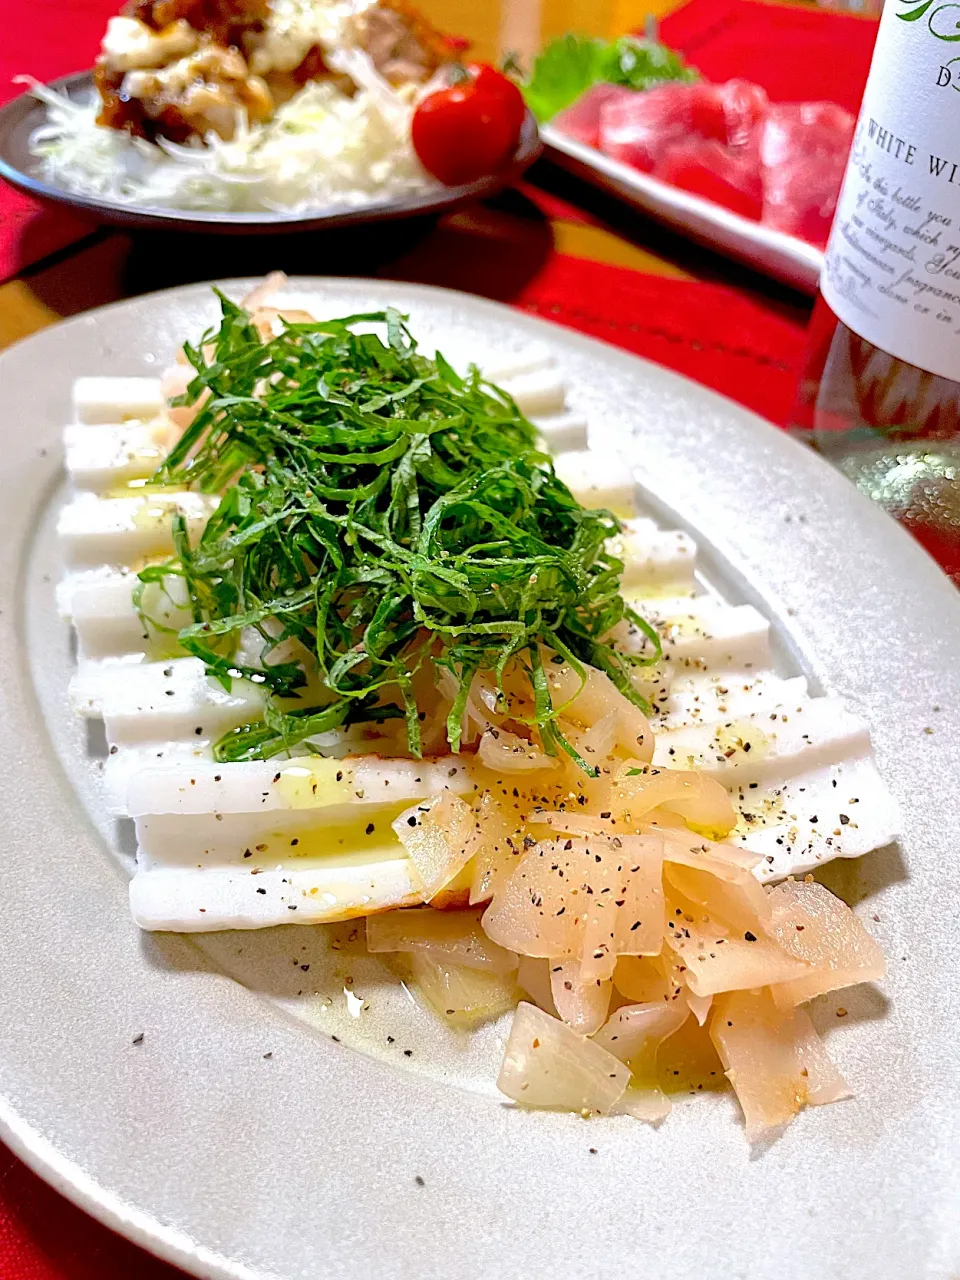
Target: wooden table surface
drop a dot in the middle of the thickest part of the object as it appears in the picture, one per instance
(110, 265)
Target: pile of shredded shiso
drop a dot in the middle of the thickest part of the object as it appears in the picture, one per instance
(386, 513)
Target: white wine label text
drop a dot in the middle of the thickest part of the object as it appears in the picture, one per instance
(892, 269)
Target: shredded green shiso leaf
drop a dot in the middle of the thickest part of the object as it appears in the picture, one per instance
(386, 513)
(569, 65)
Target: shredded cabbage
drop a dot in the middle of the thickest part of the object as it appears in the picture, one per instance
(320, 149)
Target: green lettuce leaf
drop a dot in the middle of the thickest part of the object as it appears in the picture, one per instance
(568, 66)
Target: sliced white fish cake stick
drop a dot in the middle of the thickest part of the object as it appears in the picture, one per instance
(840, 811)
(538, 392)
(122, 531)
(99, 602)
(162, 701)
(102, 457)
(300, 784)
(599, 479)
(531, 359)
(203, 900)
(653, 557)
(767, 744)
(708, 698)
(728, 638)
(268, 839)
(124, 762)
(101, 399)
(561, 432)
(276, 810)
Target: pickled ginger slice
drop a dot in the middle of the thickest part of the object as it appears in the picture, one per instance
(757, 1044)
(824, 1082)
(719, 958)
(583, 899)
(818, 928)
(440, 838)
(701, 802)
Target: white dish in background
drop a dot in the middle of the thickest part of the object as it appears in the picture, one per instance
(305, 1162)
(774, 253)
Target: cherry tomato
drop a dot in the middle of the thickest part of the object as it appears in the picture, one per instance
(469, 129)
(489, 80)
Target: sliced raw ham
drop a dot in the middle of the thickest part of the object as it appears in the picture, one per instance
(641, 129)
(707, 168)
(581, 122)
(803, 153)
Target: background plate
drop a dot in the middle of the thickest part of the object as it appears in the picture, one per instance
(776, 254)
(19, 118)
(303, 1164)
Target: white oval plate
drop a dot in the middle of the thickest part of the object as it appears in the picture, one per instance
(304, 1163)
(785, 257)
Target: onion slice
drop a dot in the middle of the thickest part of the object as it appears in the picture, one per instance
(700, 801)
(634, 1034)
(547, 1064)
(590, 704)
(533, 977)
(440, 838)
(505, 752)
(463, 997)
(583, 1005)
(451, 936)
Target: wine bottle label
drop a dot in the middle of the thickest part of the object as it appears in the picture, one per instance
(892, 270)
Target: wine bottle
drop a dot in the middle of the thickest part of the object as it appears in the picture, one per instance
(880, 390)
